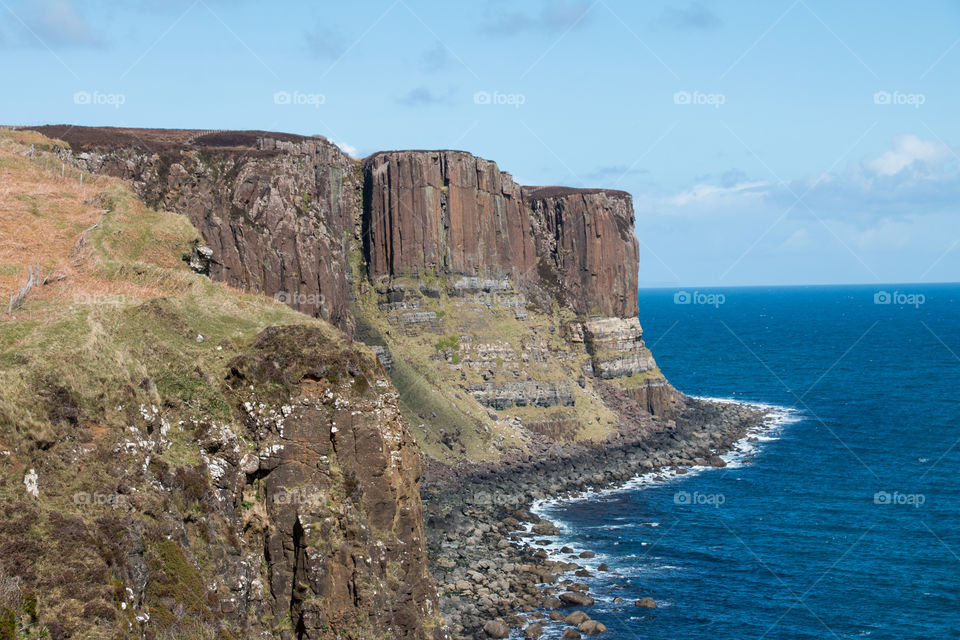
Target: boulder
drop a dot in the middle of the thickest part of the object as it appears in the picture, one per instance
(497, 629)
(576, 618)
(575, 599)
(591, 627)
(545, 528)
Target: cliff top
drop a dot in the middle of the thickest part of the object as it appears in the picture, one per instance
(542, 192)
(82, 138)
(87, 138)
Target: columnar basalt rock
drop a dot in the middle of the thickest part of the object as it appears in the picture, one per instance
(589, 254)
(444, 212)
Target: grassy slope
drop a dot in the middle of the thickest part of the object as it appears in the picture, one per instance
(115, 330)
(432, 374)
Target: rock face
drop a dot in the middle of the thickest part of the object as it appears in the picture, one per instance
(616, 347)
(589, 254)
(295, 217)
(444, 212)
(341, 527)
(522, 394)
(276, 210)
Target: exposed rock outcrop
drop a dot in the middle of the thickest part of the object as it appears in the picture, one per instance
(276, 210)
(616, 347)
(589, 255)
(522, 394)
(444, 212)
(342, 531)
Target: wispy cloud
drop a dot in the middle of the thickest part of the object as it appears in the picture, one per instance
(693, 16)
(718, 196)
(422, 97)
(613, 172)
(553, 17)
(57, 24)
(324, 42)
(348, 149)
(435, 58)
(912, 177)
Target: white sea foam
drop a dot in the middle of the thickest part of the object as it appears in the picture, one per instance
(777, 418)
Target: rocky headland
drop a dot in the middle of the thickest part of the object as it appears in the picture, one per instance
(465, 346)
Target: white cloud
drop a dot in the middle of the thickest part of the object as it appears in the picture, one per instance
(907, 151)
(912, 177)
(711, 194)
(348, 149)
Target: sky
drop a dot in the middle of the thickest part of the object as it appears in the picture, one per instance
(764, 142)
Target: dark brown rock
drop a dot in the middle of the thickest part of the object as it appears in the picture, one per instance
(497, 629)
(444, 212)
(588, 250)
(274, 209)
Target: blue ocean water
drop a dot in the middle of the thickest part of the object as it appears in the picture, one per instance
(844, 522)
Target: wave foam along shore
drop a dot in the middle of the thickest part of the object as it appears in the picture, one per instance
(776, 418)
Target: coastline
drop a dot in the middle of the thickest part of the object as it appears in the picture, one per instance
(489, 545)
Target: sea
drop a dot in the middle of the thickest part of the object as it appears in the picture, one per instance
(838, 518)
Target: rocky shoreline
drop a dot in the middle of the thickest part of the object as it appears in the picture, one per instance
(483, 537)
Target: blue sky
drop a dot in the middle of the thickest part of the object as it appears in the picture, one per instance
(767, 142)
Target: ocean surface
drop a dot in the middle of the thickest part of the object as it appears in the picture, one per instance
(842, 520)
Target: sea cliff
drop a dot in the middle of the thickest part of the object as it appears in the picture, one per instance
(485, 335)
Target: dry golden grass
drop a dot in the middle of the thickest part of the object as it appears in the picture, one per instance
(45, 208)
